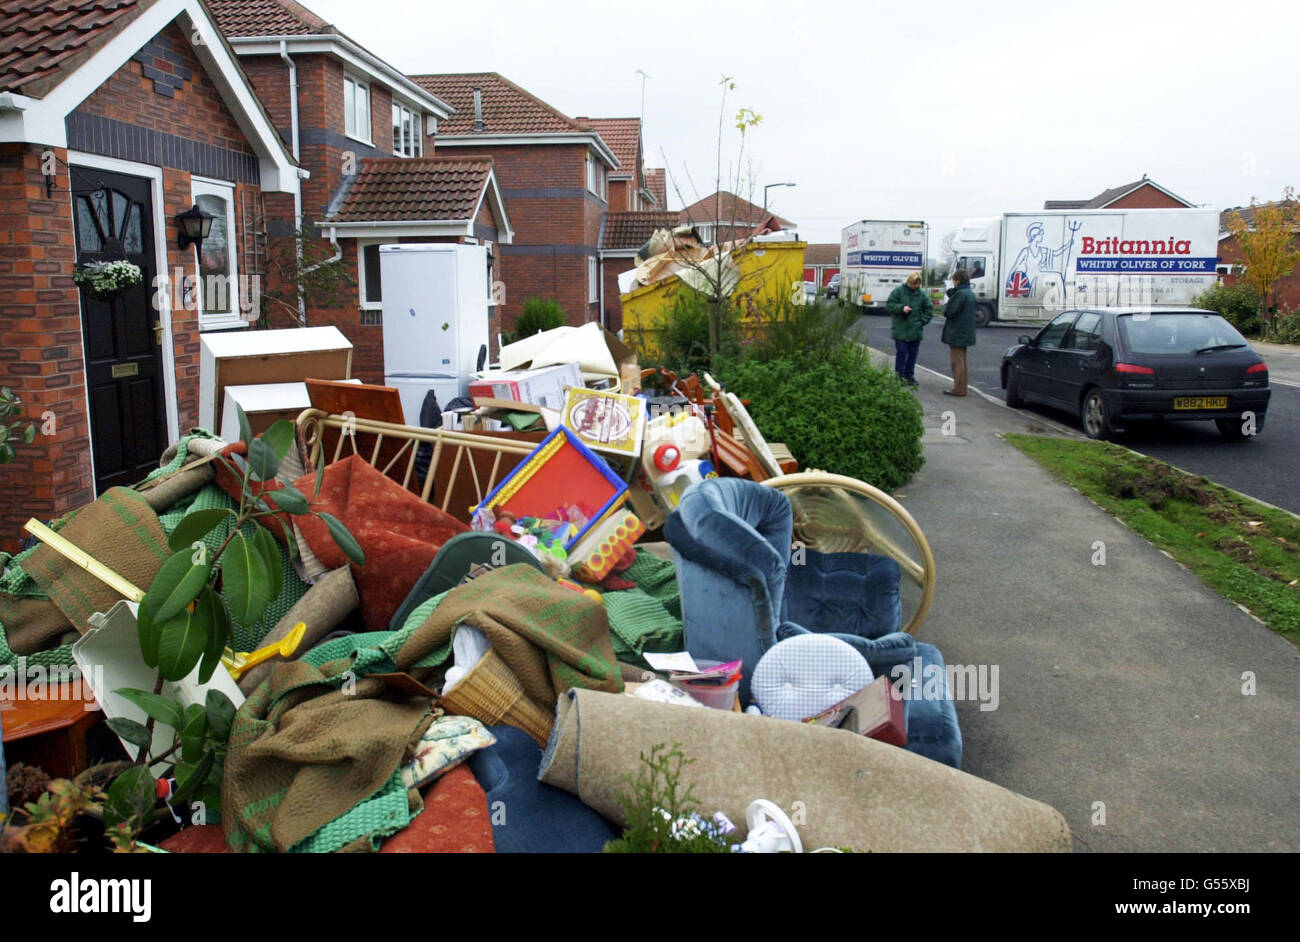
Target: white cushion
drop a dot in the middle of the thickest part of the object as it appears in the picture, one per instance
(801, 676)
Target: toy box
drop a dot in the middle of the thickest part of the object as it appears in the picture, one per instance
(544, 386)
(561, 473)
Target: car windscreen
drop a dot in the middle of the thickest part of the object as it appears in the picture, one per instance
(1178, 333)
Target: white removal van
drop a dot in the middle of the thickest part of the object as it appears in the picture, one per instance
(1031, 266)
(878, 255)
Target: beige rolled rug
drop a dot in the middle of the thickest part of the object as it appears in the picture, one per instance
(840, 789)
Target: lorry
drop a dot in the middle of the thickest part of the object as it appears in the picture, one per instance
(878, 255)
(1031, 266)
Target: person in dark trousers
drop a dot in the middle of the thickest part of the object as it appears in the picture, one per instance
(959, 328)
(910, 310)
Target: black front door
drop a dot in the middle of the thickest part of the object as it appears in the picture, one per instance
(123, 337)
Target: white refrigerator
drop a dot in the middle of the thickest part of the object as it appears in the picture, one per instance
(435, 316)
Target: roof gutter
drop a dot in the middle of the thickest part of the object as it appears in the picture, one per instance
(551, 137)
(249, 45)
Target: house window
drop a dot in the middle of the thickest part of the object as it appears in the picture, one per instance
(407, 140)
(595, 175)
(369, 287)
(593, 280)
(356, 109)
(218, 260)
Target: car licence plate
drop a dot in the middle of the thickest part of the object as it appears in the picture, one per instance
(1201, 402)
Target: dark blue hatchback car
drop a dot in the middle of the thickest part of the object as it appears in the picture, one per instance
(1115, 366)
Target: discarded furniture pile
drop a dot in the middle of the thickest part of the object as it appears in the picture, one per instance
(581, 568)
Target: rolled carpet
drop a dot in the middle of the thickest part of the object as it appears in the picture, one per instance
(840, 789)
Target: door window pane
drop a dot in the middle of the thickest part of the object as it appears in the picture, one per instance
(87, 232)
(132, 236)
(1051, 336)
(1086, 334)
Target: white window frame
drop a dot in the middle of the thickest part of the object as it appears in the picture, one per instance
(361, 274)
(415, 147)
(202, 186)
(358, 85)
(593, 281)
(595, 175)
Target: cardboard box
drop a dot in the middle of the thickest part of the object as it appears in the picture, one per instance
(873, 711)
(605, 360)
(264, 404)
(255, 357)
(606, 422)
(544, 386)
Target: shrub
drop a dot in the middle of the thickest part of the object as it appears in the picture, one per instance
(539, 314)
(1239, 304)
(1286, 327)
(683, 334)
(840, 415)
(809, 333)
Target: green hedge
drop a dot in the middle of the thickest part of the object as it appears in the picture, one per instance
(1239, 304)
(840, 415)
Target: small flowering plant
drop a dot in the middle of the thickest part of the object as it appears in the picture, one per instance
(105, 281)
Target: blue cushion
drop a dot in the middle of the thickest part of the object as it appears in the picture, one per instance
(849, 593)
(932, 729)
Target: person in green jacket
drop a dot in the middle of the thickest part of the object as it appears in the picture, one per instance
(959, 328)
(910, 310)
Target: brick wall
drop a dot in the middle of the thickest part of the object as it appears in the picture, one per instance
(161, 109)
(1146, 197)
(40, 342)
(556, 224)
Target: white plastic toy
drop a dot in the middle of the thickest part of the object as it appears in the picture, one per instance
(770, 830)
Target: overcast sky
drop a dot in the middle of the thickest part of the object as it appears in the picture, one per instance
(929, 110)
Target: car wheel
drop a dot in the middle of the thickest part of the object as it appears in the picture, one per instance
(983, 314)
(1014, 399)
(1232, 429)
(1096, 423)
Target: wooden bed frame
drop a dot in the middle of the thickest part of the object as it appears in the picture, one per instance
(463, 468)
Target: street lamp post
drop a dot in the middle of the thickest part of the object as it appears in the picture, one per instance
(768, 187)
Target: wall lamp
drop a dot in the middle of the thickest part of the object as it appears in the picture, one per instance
(194, 224)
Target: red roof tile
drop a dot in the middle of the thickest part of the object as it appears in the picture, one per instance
(656, 181)
(507, 108)
(633, 230)
(623, 135)
(388, 189)
(822, 253)
(726, 208)
(266, 18)
(41, 39)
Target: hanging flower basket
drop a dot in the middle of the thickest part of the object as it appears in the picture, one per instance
(107, 281)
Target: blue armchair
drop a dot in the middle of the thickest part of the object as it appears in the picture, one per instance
(732, 539)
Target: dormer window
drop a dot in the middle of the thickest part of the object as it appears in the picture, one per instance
(407, 139)
(356, 109)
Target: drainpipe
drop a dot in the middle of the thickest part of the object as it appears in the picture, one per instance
(338, 253)
(297, 196)
(600, 287)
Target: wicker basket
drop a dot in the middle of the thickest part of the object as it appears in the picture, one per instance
(491, 693)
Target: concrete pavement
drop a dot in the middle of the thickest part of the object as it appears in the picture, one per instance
(1283, 361)
(1121, 685)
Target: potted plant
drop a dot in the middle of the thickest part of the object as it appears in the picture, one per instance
(107, 281)
(183, 622)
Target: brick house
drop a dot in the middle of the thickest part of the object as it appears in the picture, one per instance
(116, 116)
(1230, 262)
(365, 132)
(628, 187)
(554, 175)
(723, 217)
(656, 182)
(1140, 194)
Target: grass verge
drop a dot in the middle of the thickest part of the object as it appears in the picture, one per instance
(1247, 552)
